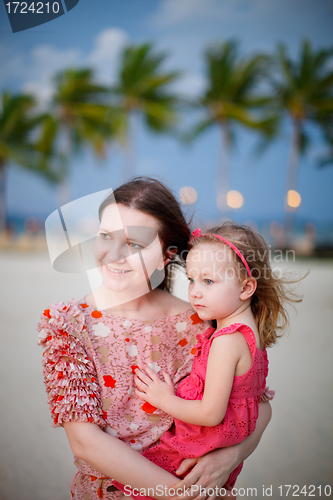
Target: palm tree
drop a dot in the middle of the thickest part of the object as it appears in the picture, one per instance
(18, 123)
(304, 91)
(326, 123)
(142, 88)
(78, 116)
(230, 100)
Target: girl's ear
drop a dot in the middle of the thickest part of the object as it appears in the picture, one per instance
(248, 288)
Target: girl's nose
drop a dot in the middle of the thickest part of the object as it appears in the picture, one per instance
(195, 291)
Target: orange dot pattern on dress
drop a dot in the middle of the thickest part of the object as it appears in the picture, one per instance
(96, 314)
(148, 408)
(196, 320)
(69, 375)
(109, 381)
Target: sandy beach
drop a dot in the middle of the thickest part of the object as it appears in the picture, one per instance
(296, 449)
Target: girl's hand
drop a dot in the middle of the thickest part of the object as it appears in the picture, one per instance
(209, 472)
(152, 389)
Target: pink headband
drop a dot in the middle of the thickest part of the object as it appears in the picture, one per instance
(197, 234)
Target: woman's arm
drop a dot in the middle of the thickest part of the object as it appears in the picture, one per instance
(114, 458)
(214, 468)
(117, 460)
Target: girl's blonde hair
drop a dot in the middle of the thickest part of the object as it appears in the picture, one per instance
(272, 292)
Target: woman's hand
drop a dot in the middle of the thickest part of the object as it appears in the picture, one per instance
(152, 389)
(208, 476)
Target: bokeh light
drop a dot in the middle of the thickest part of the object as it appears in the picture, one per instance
(188, 195)
(293, 199)
(235, 199)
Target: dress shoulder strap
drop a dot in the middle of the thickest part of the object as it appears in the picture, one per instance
(244, 329)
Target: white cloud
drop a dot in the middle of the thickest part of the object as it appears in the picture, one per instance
(44, 61)
(190, 85)
(105, 54)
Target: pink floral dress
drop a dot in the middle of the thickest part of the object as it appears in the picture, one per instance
(89, 360)
(187, 440)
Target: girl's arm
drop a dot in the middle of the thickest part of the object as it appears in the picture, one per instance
(224, 354)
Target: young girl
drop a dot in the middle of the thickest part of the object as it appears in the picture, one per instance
(232, 283)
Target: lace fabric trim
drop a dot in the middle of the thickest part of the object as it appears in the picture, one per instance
(69, 374)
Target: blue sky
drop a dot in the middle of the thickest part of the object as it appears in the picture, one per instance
(93, 34)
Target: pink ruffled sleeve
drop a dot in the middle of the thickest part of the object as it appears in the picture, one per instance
(69, 374)
(267, 395)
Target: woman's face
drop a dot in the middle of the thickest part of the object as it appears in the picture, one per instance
(127, 248)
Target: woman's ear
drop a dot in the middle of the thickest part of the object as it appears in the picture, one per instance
(248, 288)
(169, 254)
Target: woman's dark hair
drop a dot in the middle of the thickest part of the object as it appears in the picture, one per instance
(154, 198)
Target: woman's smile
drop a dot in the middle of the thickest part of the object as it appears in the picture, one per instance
(116, 272)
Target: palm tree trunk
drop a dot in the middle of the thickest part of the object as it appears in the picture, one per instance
(292, 172)
(128, 169)
(64, 188)
(64, 192)
(223, 168)
(2, 196)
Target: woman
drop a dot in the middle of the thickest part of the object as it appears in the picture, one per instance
(94, 346)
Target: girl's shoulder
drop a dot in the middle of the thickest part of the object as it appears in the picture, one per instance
(240, 336)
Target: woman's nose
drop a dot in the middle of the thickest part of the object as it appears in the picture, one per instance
(117, 252)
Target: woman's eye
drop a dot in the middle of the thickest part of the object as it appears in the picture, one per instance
(135, 245)
(105, 236)
(208, 282)
(191, 280)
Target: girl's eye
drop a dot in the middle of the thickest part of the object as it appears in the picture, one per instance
(191, 280)
(208, 282)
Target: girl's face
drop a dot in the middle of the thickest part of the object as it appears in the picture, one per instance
(127, 248)
(214, 288)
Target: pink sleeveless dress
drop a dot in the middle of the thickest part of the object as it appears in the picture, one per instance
(187, 440)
